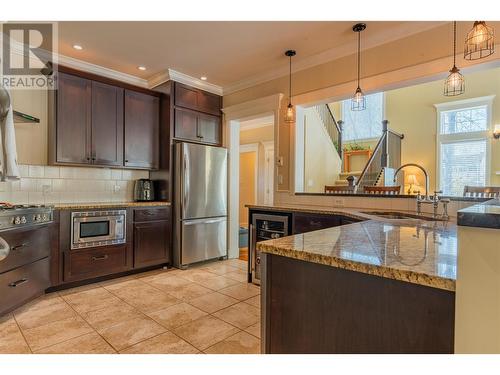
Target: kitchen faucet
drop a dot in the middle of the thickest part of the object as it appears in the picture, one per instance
(434, 200)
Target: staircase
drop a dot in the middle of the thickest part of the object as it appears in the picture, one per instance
(385, 159)
(332, 127)
(342, 180)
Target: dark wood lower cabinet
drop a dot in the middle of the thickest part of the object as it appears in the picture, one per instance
(313, 308)
(148, 234)
(95, 262)
(151, 243)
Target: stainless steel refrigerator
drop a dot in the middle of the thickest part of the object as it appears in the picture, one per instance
(200, 203)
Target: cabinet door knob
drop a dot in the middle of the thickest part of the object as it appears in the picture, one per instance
(126, 160)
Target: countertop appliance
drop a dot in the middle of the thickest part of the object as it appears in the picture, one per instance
(144, 190)
(264, 227)
(200, 203)
(24, 253)
(98, 228)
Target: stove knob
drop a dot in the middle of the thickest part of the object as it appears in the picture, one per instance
(17, 220)
(23, 220)
(45, 217)
(38, 217)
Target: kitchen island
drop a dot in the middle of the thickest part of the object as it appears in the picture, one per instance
(377, 286)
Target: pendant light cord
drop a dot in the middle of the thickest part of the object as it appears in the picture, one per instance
(454, 42)
(359, 52)
(290, 83)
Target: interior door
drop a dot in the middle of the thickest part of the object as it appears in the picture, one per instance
(73, 119)
(107, 124)
(204, 181)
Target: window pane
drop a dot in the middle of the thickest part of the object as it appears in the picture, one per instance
(363, 124)
(462, 163)
(464, 120)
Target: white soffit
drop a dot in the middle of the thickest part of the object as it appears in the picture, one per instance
(256, 123)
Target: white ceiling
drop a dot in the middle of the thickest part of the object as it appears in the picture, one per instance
(230, 54)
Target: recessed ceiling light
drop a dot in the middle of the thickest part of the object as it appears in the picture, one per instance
(78, 47)
(141, 67)
(203, 78)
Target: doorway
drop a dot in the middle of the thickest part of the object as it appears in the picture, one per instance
(256, 171)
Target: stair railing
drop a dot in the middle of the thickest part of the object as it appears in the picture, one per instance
(333, 128)
(387, 154)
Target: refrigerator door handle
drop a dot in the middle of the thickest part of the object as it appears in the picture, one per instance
(184, 189)
(206, 221)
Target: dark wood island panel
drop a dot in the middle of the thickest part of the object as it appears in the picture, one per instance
(315, 308)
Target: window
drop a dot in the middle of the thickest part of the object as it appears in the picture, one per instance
(463, 144)
(367, 124)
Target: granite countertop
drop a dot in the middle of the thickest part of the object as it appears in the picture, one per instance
(91, 205)
(485, 215)
(411, 250)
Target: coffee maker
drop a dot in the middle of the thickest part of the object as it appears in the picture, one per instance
(144, 190)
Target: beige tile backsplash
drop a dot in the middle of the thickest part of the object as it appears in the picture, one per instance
(49, 185)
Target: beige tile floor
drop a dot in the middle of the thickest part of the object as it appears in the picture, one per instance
(206, 309)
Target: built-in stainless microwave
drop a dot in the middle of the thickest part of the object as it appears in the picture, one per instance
(97, 228)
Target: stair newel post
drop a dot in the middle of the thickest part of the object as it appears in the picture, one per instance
(341, 151)
(385, 149)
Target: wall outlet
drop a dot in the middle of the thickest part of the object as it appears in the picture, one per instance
(338, 202)
(280, 179)
(310, 183)
(116, 188)
(46, 189)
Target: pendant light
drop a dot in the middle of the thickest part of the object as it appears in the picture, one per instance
(455, 83)
(480, 42)
(290, 111)
(358, 102)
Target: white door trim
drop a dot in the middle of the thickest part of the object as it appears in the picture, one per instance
(269, 105)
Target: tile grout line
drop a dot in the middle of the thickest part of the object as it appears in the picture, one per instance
(22, 333)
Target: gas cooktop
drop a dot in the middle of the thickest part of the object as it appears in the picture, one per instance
(21, 215)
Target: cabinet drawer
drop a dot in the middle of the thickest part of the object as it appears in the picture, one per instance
(26, 246)
(85, 264)
(303, 223)
(22, 284)
(151, 214)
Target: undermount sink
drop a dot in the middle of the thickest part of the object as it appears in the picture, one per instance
(400, 216)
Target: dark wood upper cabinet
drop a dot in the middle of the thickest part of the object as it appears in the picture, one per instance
(107, 124)
(98, 121)
(142, 128)
(198, 100)
(186, 124)
(197, 115)
(74, 114)
(209, 128)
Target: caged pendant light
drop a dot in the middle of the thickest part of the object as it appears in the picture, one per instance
(455, 83)
(480, 42)
(290, 111)
(358, 102)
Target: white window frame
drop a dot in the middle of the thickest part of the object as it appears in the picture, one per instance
(462, 137)
(361, 140)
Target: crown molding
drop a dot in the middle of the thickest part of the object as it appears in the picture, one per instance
(18, 49)
(102, 71)
(335, 53)
(194, 82)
